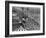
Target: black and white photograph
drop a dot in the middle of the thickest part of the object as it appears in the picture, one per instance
(25, 18)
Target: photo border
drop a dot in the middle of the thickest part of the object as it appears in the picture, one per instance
(7, 18)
